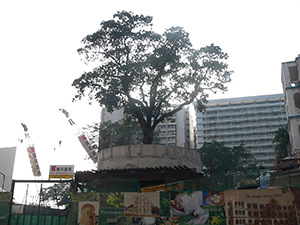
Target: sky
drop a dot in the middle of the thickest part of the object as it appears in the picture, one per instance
(39, 61)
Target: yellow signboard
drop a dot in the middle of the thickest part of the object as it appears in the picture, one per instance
(61, 171)
(67, 176)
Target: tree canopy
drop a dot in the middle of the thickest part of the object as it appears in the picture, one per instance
(282, 141)
(144, 72)
(59, 193)
(216, 158)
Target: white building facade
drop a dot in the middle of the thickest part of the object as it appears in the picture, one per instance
(251, 121)
(290, 79)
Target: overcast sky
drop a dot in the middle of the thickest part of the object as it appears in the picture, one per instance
(39, 61)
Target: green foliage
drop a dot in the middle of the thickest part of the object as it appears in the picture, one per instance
(144, 72)
(85, 197)
(221, 157)
(122, 132)
(164, 204)
(113, 134)
(282, 141)
(217, 215)
(112, 200)
(59, 193)
(73, 213)
(5, 196)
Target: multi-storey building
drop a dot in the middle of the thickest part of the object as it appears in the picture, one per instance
(177, 130)
(251, 121)
(248, 213)
(291, 87)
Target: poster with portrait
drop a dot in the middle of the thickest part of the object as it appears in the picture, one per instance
(189, 205)
(88, 213)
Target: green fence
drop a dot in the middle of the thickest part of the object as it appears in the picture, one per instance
(20, 219)
(5, 198)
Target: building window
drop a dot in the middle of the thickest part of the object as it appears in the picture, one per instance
(293, 74)
(297, 100)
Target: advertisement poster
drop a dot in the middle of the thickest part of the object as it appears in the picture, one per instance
(216, 202)
(263, 206)
(111, 208)
(88, 213)
(213, 199)
(165, 208)
(145, 204)
(189, 205)
(111, 199)
(111, 215)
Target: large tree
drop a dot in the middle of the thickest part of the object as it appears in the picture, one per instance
(144, 72)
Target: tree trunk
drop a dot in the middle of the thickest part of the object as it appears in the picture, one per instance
(148, 134)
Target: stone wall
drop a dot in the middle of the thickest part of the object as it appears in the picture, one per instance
(148, 156)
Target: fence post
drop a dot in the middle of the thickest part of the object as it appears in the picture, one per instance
(11, 199)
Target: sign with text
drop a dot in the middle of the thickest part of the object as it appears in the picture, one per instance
(61, 171)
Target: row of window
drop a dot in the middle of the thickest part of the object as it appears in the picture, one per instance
(265, 161)
(248, 142)
(246, 122)
(246, 137)
(242, 123)
(164, 126)
(214, 112)
(169, 138)
(240, 117)
(261, 148)
(247, 104)
(261, 221)
(240, 131)
(170, 132)
(265, 154)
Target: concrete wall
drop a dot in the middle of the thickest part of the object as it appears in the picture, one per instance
(148, 156)
(290, 78)
(7, 161)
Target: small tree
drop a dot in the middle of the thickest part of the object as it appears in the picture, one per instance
(216, 157)
(144, 72)
(282, 141)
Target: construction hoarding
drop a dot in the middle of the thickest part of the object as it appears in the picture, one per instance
(248, 206)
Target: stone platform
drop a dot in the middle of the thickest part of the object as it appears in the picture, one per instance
(148, 156)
